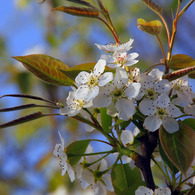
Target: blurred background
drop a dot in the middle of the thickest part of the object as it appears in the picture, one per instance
(27, 165)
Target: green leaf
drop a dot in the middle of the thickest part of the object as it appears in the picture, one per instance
(106, 120)
(123, 177)
(167, 161)
(21, 120)
(153, 27)
(179, 73)
(131, 190)
(88, 67)
(78, 11)
(179, 146)
(46, 68)
(190, 122)
(75, 149)
(180, 61)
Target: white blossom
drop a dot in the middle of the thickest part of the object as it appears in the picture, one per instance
(119, 56)
(183, 91)
(73, 105)
(190, 109)
(160, 112)
(160, 191)
(63, 160)
(120, 93)
(152, 85)
(89, 83)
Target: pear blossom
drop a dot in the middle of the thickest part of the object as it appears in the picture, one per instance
(73, 105)
(147, 191)
(118, 95)
(160, 112)
(89, 83)
(190, 109)
(183, 91)
(152, 85)
(63, 160)
(119, 56)
(116, 47)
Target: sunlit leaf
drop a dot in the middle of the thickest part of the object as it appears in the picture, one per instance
(153, 27)
(75, 149)
(180, 61)
(78, 11)
(106, 120)
(75, 70)
(180, 73)
(179, 146)
(46, 68)
(153, 6)
(123, 177)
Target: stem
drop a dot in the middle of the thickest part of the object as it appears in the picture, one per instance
(185, 180)
(168, 179)
(97, 140)
(148, 144)
(164, 56)
(100, 129)
(151, 67)
(166, 28)
(91, 154)
(112, 31)
(185, 8)
(174, 30)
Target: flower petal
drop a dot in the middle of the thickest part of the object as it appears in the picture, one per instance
(127, 137)
(82, 92)
(82, 77)
(173, 111)
(162, 86)
(162, 191)
(121, 78)
(99, 67)
(190, 109)
(152, 123)
(170, 124)
(100, 188)
(147, 107)
(132, 90)
(126, 108)
(156, 74)
(105, 78)
(143, 190)
(108, 181)
(163, 101)
(92, 93)
(70, 172)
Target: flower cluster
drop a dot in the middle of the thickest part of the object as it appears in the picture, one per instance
(123, 91)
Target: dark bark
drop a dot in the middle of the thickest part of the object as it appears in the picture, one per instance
(148, 144)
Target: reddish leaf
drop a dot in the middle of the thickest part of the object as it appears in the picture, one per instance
(179, 146)
(21, 120)
(181, 61)
(154, 7)
(78, 11)
(46, 68)
(179, 73)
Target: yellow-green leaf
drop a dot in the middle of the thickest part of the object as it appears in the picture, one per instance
(179, 146)
(180, 61)
(153, 27)
(46, 68)
(74, 71)
(78, 11)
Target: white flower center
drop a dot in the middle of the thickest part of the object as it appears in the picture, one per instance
(121, 58)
